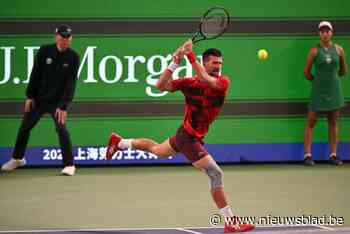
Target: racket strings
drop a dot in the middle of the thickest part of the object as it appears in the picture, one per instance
(214, 24)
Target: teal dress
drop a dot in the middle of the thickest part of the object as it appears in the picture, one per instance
(326, 94)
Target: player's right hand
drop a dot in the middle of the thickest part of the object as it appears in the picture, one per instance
(29, 103)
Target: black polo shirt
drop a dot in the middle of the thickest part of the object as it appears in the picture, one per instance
(54, 75)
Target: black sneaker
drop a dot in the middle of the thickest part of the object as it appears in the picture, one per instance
(333, 160)
(308, 161)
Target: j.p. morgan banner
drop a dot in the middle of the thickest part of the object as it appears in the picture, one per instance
(104, 71)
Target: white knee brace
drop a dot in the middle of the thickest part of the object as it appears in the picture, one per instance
(215, 174)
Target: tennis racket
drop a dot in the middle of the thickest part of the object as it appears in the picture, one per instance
(213, 24)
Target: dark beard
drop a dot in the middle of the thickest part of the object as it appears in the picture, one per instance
(214, 73)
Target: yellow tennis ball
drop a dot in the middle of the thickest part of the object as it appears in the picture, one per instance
(262, 54)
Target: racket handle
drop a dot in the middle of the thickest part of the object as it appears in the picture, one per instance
(195, 35)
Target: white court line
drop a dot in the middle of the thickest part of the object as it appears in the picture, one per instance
(287, 226)
(94, 230)
(84, 230)
(325, 228)
(189, 231)
(160, 228)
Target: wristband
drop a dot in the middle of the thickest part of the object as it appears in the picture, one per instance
(172, 66)
(191, 57)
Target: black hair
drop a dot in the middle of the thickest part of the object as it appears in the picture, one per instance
(211, 52)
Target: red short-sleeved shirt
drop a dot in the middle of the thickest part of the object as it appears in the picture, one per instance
(203, 103)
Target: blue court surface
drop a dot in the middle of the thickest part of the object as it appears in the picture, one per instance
(195, 230)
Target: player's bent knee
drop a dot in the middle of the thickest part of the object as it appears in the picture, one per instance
(215, 174)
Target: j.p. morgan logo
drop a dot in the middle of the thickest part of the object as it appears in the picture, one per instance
(108, 69)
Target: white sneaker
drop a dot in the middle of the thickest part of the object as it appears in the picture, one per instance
(13, 164)
(68, 171)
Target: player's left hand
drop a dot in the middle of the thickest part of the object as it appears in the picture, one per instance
(178, 55)
(188, 46)
(61, 116)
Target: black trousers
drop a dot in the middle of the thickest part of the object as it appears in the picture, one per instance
(30, 119)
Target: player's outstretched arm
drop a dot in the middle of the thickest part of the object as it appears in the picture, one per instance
(163, 83)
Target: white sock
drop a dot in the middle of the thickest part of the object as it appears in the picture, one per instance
(226, 212)
(125, 144)
(333, 155)
(307, 155)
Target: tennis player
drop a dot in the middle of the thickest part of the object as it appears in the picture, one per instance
(329, 61)
(204, 96)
